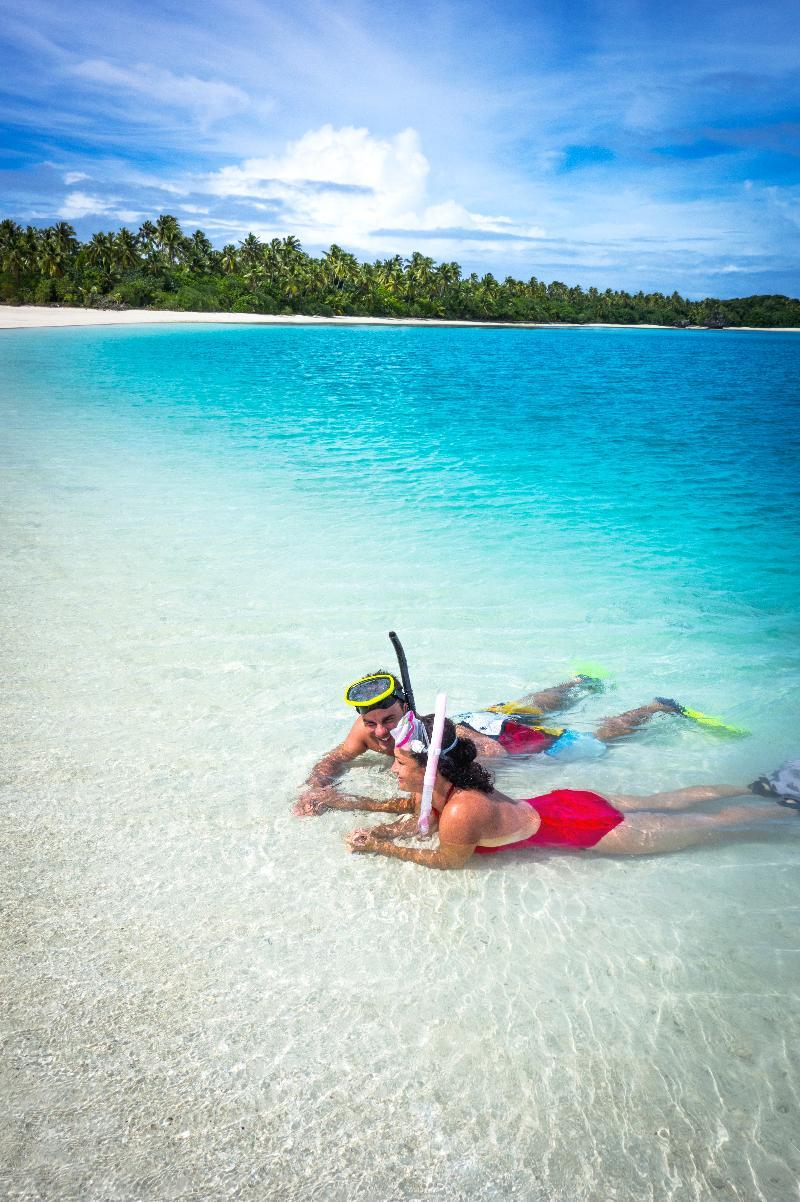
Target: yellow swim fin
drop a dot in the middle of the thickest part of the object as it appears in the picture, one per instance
(515, 707)
(715, 725)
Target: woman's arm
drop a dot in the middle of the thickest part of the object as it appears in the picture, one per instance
(446, 855)
(326, 797)
(403, 828)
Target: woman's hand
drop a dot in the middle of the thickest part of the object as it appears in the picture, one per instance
(361, 840)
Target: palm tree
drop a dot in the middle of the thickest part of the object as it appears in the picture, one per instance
(448, 274)
(147, 237)
(418, 276)
(272, 260)
(291, 248)
(64, 235)
(251, 253)
(9, 233)
(488, 291)
(251, 261)
(200, 251)
(13, 258)
(30, 242)
(100, 252)
(340, 267)
(169, 236)
(125, 250)
(390, 273)
(228, 258)
(52, 259)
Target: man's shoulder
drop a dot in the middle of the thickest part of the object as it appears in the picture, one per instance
(356, 741)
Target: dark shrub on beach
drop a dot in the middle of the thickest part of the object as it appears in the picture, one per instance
(44, 292)
(245, 304)
(136, 293)
(195, 300)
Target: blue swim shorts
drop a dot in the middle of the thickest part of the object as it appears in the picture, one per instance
(577, 745)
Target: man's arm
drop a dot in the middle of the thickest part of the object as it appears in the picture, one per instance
(336, 762)
(319, 794)
(487, 748)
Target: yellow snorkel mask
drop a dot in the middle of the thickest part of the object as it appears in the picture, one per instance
(368, 692)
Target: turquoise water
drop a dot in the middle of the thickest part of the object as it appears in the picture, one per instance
(206, 533)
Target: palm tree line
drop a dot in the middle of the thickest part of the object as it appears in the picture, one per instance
(161, 267)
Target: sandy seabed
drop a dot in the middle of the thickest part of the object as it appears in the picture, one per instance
(21, 317)
(210, 999)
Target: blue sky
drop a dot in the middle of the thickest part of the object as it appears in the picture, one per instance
(630, 145)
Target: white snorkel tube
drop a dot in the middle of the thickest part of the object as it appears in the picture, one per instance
(434, 751)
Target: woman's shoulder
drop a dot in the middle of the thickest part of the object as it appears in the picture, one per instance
(475, 797)
(465, 814)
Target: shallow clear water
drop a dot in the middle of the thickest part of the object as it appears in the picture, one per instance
(206, 533)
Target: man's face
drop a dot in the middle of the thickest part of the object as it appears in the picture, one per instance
(381, 722)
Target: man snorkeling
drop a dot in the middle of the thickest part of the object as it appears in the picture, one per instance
(509, 728)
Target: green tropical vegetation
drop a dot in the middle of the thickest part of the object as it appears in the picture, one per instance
(161, 267)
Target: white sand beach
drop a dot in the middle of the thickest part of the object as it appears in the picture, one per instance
(22, 317)
(17, 317)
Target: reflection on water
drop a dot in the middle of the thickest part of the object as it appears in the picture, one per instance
(211, 998)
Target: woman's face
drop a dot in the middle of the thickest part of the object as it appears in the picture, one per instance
(408, 772)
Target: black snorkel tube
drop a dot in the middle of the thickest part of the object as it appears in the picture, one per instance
(401, 659)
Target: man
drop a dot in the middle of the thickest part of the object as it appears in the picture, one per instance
(510, 728)
(371, 731)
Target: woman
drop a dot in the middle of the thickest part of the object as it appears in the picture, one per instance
(474, 818)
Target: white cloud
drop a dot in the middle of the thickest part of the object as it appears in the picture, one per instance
(207, 100)
(81, 204)
(343, 185)
(451, 215)
(343, 158)
(74, 177)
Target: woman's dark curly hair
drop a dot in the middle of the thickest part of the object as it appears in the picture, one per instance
(458, 766)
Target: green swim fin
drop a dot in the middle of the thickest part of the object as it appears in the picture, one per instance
(592, 675)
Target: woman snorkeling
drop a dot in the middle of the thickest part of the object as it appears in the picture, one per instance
(474, 818)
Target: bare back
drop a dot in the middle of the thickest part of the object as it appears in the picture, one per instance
(485, 819)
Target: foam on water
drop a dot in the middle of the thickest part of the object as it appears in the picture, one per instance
(206, 533)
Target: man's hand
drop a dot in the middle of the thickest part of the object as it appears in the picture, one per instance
(315, 800)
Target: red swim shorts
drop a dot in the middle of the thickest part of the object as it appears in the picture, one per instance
(519, 739)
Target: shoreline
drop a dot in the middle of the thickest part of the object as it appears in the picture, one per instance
(40, 317)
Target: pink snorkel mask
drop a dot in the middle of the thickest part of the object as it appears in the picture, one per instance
(411, 735)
